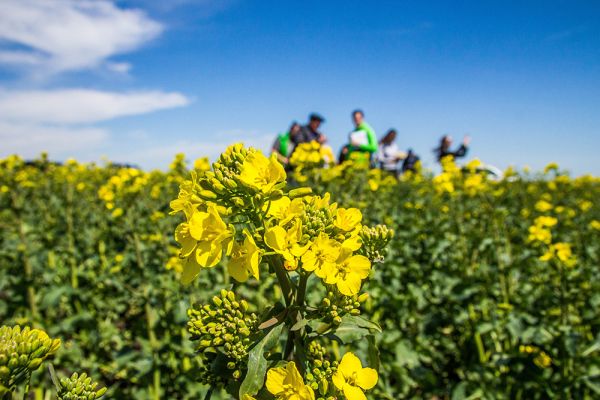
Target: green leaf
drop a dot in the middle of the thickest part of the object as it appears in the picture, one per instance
(354, 328)
(257, 363)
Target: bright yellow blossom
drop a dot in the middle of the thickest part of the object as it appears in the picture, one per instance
(285, 242)
(348, 272)
(539, 234)
(347, 219)
(287, 384)
(545, 222)
(245, 259)
(351, 378)
(202, 164)
(203, 240)
(543, 206)
(321, 256)
(261, 173)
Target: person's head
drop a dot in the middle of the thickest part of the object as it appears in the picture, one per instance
(445, 142)
(314, 121)
(294, 128)
(389, 137)
(357, 117)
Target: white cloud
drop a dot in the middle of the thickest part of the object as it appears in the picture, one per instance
(76, 106)
(30, 140)
(66, 35)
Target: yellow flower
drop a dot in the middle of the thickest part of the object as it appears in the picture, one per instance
(117, 212)
(285, 242)
(545, 221)
(245, 259)
(203, 240)
(321, 256)
(551, 167)
(351, 378)
(595, 224)
(347, 219)
(348, 272)
(540, 234)
(561, 251)
(287, 384)
(543, 206)
(585, 205)
(542, 360)
(202, 164)
(261, 173)
(284, 209)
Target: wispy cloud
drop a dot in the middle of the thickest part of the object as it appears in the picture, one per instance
(66, 35)
(45, 38)
(29, 140)
(81, 106)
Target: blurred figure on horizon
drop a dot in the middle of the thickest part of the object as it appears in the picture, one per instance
(388, 154)
(444, 148)
(284, 144)
(310, 132)
(362, 140)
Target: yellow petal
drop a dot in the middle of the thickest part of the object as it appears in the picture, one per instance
(349, 285)
(293, 375)
(190, 270)
(338, 379)
(353, 393)
(360, 265)
(275, 378)
(366, 378)
(349, 364)
(275, 238)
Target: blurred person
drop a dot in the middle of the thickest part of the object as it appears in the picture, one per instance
(388, 154)
(444, 149)
(284, 144)
(362, 140)
(410, 162)
(310, 132)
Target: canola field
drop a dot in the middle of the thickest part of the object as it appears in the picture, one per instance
(244, 280)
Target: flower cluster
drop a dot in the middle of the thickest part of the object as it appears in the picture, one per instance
(241, 214)
(540, 230)
(541, 358)
(562, 252)
(22, 351)
(374, 241)
(79, 387)
(311, 155)
(127, 180)
(222, 331)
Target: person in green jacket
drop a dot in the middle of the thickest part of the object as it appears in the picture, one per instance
(362, 140)
(284, 145)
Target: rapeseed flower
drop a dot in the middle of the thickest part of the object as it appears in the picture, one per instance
(245, 259)
(321, 256)
(351, 378)
(348, 272)
(261, 173)
(286, 383)
(285, 242)
(347, 219)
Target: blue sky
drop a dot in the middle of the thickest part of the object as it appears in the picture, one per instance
(139, 80)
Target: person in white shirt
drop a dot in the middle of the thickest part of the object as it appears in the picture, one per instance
(388, 153)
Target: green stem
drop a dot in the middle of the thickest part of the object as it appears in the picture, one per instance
(28, 268)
